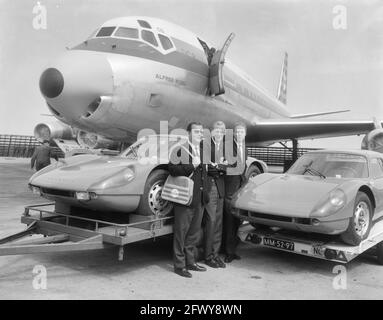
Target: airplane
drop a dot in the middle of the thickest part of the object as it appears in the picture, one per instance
(133, 72)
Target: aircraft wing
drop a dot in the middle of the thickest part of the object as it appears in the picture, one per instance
(280, 130)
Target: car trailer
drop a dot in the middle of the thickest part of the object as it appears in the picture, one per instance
(49, 231)
(313, 245)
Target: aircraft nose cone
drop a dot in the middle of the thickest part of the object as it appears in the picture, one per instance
(51, 83)
(74, 84)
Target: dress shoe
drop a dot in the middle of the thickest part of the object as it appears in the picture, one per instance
(220, 263)
(212, 263)
(183, 272)
(195, 267)
(230, 257)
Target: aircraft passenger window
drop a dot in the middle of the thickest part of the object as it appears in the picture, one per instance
(144, 24)
(127, 33)
(149, 37)
(105, 32)
(165, 41)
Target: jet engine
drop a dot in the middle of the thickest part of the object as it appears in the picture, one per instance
(53, 130)
(373, 141)
(94, 141)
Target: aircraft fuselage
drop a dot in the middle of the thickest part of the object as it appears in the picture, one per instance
(116, 86)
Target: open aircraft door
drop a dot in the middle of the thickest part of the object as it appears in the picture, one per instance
(216, 85)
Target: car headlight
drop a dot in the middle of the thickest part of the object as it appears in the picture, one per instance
(335, 201)
(337, 198)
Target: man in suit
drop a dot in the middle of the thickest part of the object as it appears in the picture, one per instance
(234, 179)
(214, 209)
(188, 219)
(42, 156)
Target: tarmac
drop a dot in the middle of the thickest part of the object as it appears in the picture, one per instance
(147, 271)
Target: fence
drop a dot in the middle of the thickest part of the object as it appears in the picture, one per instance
(275, 156)
(24, 146)
(20, 146)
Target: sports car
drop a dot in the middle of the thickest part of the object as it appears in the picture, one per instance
(327, 192)
(130, 181)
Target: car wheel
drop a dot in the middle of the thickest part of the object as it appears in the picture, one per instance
(360, 222)
(379, 252)
(151, 202)
(252, 172)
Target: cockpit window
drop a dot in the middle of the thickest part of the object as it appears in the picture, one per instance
(127, 33)
(165, 41)
(149, 37)
(105, 31)
(144, 24)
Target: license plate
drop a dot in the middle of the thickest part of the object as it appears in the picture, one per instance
(281, 244)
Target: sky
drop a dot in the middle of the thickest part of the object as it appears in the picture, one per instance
(329, 69)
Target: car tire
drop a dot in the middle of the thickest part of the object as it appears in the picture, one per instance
(379, 252)
(360, 223)
(151, 202)
(252, 172)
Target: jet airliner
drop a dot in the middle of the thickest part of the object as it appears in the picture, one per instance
(134, 72)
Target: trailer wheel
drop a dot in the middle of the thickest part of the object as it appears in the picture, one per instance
(379, 252)
(360, 222)
(151, 202)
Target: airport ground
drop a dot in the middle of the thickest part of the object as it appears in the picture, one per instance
(146, 271)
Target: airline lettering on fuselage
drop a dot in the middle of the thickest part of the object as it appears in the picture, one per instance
(170, 79)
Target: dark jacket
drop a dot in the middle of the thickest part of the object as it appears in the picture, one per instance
(42, 157)
(237, 177)
(199, 177)
(218, 172)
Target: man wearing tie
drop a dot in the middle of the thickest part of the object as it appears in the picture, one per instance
(234, 179)
(214, 209)
(188, 219)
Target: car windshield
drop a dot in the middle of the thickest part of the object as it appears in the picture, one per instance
(335, 165)
(151, 146)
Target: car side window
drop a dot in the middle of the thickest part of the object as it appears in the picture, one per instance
(376, 168)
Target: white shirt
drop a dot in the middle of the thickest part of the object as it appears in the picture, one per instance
(196, 154)
(239, 144)
(217, 144)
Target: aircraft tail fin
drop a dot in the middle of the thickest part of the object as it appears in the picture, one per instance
(282, 88)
